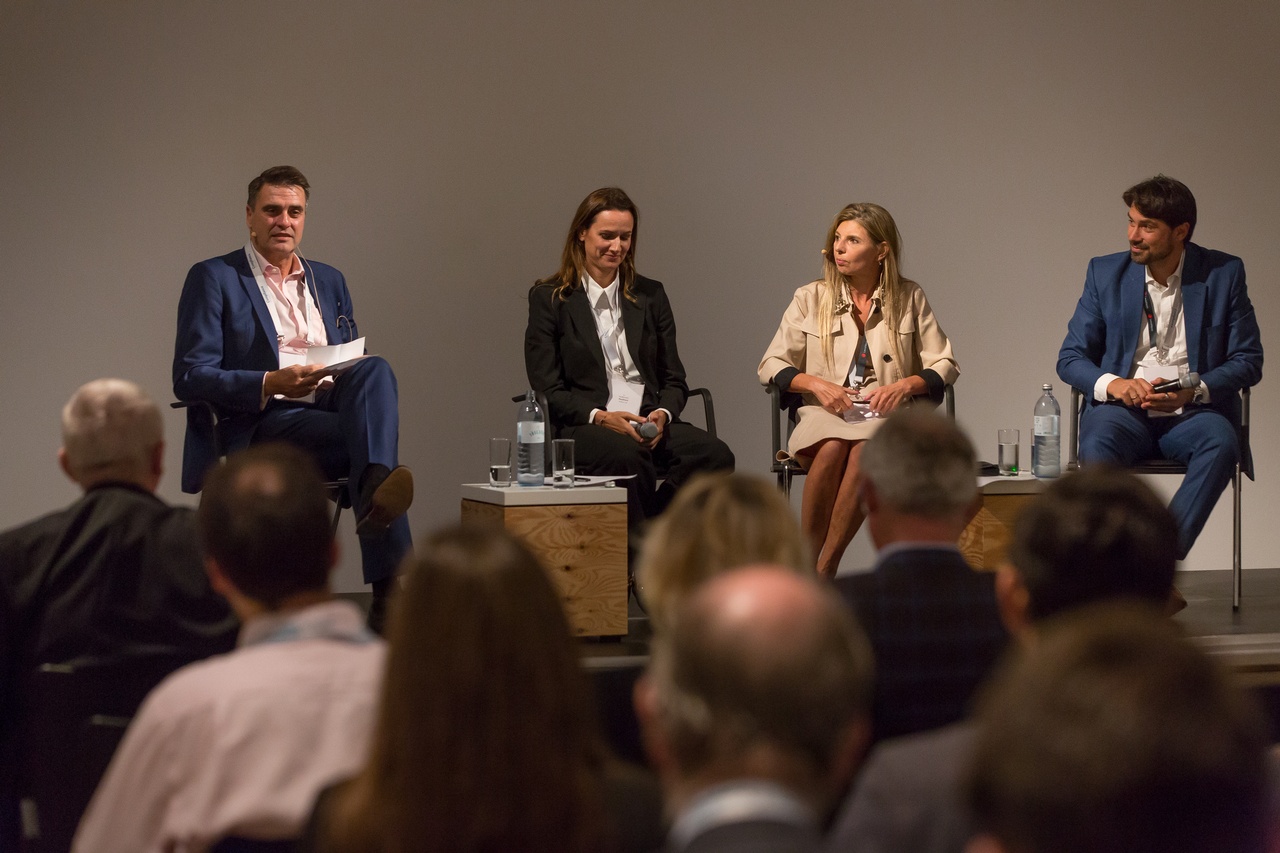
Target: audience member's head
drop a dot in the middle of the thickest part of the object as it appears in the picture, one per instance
(112, 432)
(1096, 535)
(918, 478)
(486, 739)
(716, 522)
(1114, 734)
(264, 524)
(762, 675)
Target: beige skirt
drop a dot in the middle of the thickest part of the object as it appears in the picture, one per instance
(816, 425)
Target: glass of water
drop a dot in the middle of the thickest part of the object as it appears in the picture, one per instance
(1007, 460)
(500, 462)
(562, 463)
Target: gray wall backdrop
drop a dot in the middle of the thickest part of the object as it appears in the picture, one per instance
(449, 143)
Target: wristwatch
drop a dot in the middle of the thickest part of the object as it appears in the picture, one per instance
(1198, 396)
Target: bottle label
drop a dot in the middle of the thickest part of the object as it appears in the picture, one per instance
(530, 432)
(1046, 425)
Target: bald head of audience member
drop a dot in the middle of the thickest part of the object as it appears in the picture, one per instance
(112, 433)
(919, 479)
(1115, 734)
(264, 524)
(1099, 534)
(763, 675)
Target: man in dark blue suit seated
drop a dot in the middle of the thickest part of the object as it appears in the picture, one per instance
(246, 321)
(1161, 310)
(933, 621)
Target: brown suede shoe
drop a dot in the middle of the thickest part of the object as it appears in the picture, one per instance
(390, 499)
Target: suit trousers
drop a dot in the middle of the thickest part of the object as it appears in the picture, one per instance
(1202, 439)
(683, 451)
(354, 423)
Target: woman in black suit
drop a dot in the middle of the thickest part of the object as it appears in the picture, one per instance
(601, 346)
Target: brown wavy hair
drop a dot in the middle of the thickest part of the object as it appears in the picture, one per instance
(573, 265)
(486, 739)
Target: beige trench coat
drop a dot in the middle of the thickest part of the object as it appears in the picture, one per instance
(798, 344)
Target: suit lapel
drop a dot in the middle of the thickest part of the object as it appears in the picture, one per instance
(260, 309)
(633, 325)
(1132, 286)
(584, 325)
(1194, 293)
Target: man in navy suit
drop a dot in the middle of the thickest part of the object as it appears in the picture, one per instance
(933, 621)
(246, 321)
(1163, 308)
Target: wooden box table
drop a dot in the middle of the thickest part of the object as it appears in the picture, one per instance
(985, 542)
(579, 534)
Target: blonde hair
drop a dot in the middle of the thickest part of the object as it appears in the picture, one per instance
(882, 230)
(110, 426)
(716, 522)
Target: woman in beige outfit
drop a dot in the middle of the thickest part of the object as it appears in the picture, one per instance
(856, 344)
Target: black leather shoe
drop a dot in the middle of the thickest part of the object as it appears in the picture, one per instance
(388, 497)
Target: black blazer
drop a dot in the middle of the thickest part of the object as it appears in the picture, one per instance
(564, 359)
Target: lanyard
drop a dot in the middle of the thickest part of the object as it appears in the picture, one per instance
(1148, 309)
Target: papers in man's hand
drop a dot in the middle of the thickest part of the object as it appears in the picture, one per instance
(860, 413)
(335, 359)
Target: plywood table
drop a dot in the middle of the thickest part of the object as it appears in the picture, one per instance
(579, 534)
(985, 542)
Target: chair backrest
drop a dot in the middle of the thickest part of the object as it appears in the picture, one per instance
(72, 717)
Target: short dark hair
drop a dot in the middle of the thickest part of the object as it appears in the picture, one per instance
(1114, 733)
(1165, 199)
(1097, 534)
(264, 517)
(279, 176)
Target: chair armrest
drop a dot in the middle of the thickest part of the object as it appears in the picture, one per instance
(1073, 430)
(708, 409)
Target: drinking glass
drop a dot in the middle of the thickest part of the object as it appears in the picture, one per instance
(1007, 459)
(562, 463)
(500, 462)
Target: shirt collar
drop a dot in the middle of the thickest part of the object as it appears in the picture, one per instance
(894, 547)
(738, 801)
(266, 265)
(1175, 277)
(594, 291)
(335, 619)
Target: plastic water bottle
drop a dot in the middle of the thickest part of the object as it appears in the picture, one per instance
(530, 443)
(1046, 447)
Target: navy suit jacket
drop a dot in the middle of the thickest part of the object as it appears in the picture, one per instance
(227, 342)
(1223, 342)
(936, 633)
(564, 359)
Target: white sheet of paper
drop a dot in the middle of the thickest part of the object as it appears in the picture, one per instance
(328, 356)
(624, 396)
(1152, 372)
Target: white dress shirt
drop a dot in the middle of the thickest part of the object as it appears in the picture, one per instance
(613, 336)
(1171, 333)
